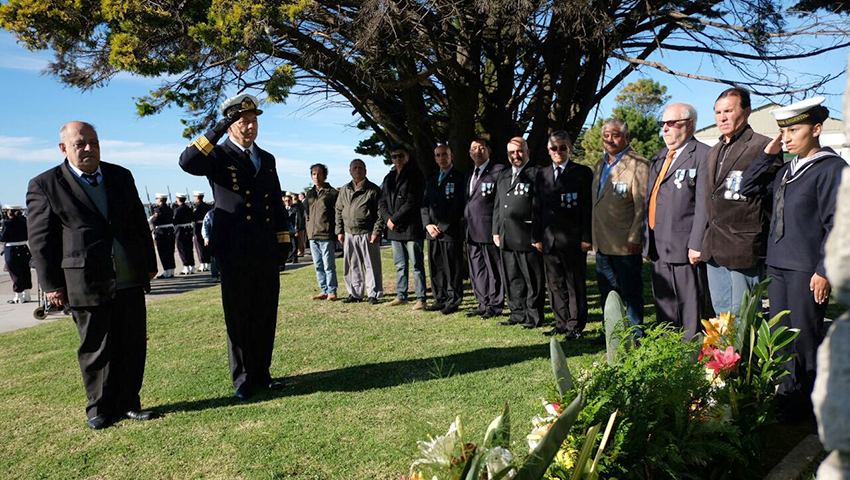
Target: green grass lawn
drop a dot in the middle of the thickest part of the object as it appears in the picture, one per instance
(363, 384)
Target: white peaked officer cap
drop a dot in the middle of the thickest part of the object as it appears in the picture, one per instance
(180, 195)
(805, 111)
(241, 103)
(13, 207)
(161, 195)
(198, 194)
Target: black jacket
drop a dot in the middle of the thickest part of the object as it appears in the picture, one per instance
(513, 212)
(443, 205)
(401, 199)
(478, 211)
(72, 242)
(564, 207)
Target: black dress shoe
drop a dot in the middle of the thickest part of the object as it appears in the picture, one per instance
(352, 299)
(529, 325)
(139, 414)
(435, 307)
(476, 313)
(449, 310)
(554, 331)
(508, 323)
(243, 392)
(373, 301)
(275, 385)
(99, 421)
(573, 335)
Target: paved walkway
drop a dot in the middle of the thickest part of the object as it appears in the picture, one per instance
(15, 316)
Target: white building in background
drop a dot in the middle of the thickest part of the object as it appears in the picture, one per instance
(763, 122)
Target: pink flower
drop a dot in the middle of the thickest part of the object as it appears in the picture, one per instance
(723, 360)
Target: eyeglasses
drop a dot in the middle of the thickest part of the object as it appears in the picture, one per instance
(562, 148)
(397, 155)
(671, 123)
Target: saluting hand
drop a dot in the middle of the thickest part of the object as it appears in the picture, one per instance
(820, 288)
(775, 145)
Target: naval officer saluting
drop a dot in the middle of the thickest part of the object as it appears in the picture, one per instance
(250, 223)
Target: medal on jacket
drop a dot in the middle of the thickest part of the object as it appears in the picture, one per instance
(733, 186)
(450, 190)
(692, 176)
(679, 177)
(522, 189)
(620, 189)
(571, 199)
(486, 188)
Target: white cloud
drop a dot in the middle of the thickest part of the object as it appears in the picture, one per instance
(30, 150)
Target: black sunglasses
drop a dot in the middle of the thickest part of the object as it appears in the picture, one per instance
(397, 155)
(562, 148)
(671, 123)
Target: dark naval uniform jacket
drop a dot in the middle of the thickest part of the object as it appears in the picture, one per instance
(564, 207)
(443, 205)
(736, 234)
(808, 212)
(513, 210)
(679, 221)
(480, 200)
(164, 216)
(82, 261)
(14, 230)
(249, 217)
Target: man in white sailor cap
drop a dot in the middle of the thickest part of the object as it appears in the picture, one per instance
(185, 234)
(162, 222)
(803, 193)
(199, 211)
(251, 231)
(13, 242)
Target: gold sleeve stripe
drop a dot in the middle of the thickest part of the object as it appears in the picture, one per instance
(203, 145)
(283, 237)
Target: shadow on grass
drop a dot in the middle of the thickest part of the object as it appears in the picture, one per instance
(390, 374)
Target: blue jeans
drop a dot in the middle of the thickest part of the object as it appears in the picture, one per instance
(727, 286)
(622, 274)
(403, 252)
(324, 259)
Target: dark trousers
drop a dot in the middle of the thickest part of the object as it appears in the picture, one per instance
(525, 280)
(293, 249)
(486, 277)
(186, 247)
(621, 274)
(789, 290)
(113, 344)
(204, 253)
(249, 295)
(165, 249)
(681, 295)
(18, 266)
(445, 260)
(566, 279)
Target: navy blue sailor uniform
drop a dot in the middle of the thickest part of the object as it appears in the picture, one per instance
(199, 211)
(485, 264)
(443, 206)
(803, 211)
(513, 220)
(251, 234)
(163, 235)
(13, 239)
(185, 234)
(564, 207)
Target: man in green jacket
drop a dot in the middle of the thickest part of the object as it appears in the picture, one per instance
(321, 201)
(358, 228)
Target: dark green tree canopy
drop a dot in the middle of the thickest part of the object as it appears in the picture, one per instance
(419, 72)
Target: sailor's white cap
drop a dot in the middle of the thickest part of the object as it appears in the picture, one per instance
(13, 207)
(161, 195)
(804, 111)
(198, 193)
(241, 103)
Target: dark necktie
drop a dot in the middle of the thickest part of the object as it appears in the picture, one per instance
(91, 178)
(779, 210)
(474, 179)
(557, 173)
(248, 159)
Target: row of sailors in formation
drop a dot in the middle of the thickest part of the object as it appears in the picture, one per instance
(180, 226)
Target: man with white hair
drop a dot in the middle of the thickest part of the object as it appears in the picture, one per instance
(676, 222)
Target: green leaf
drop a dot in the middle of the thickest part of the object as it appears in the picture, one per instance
(615, 316)
(539, 459)
(499, 432)
(559, 367)
(472, 469)
(776, 318)
(584, 456)
(787, 338)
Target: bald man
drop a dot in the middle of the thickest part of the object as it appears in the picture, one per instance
(93, 252)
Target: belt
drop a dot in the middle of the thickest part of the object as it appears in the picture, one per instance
(162, 227)
(16, 244)
(199, 221)
(181, 225)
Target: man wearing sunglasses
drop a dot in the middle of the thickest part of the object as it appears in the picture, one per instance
(676, 221)
(401, 200)
(562, 202)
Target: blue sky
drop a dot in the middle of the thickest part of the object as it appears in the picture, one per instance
(35, 106)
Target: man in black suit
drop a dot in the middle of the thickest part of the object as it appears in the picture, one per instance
(250, 236)
(563, 204)
(513, 220)
(93, 252)
(676, 222)
(485, 264)
(442, 216)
